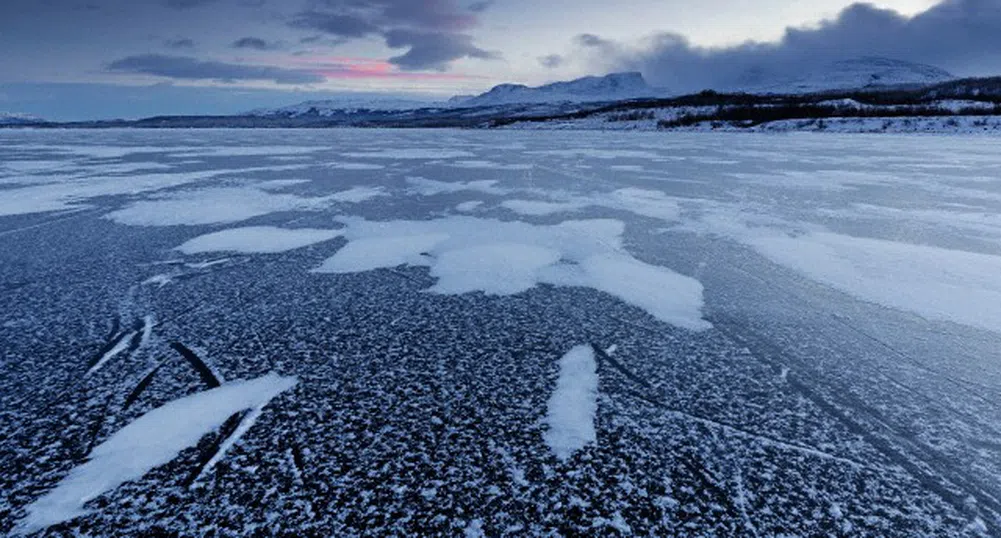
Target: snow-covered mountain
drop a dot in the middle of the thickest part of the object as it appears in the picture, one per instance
(14, 118)
(328, 107)
(613, 87)
(843, 75)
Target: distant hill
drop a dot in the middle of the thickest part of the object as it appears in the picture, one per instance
(858, 73)
(613, 87)
(333, 107)
(13, 118)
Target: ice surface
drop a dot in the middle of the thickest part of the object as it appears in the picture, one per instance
(257, 239)
(73, 192)
(467, 207)
(411, 154)
(495, 268)
(467, 254)
(431, 187)
(537, 207)
(937, 283)
(571, 410)
(370, 253)
(358, 194)
(149, 441)
(210, 206)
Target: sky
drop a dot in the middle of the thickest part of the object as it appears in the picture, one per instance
(87, 59)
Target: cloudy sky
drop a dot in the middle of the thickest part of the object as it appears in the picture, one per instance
(75, 59)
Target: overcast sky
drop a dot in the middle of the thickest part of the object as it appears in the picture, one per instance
(70, 59)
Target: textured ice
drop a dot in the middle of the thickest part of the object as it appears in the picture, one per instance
(937, 283)
(257, 239)
(210, 206)
(571, 410)
(149, 441)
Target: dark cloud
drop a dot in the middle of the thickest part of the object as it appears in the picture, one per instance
(187, 4)
(591, 40)
(180, 43)
(335, 24)
(433, 30)
(186, 68)
(254, 43)
(430, 50)
(551, 61)
(480, 7)
(962, 36)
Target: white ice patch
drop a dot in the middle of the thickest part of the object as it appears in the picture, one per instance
(538, 208)
(72, 192)
(489, 165)
(644, 202)
(210, 206)
(431, 187)
(573, 406)
(495, 268)
(411, 154)
(257, 240)
(152, 440)
(468, 207)
(370, 253)
(355, 166)
(358, 194)
(467, 254)
(936, 283)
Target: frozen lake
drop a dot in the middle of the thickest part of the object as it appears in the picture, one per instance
(371, 332)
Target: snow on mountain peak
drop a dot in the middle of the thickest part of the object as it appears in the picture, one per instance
(612, 87)
(869, 71)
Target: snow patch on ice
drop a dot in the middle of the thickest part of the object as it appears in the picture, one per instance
(538, 208)
(411, 154)
(431, 187)
(152, 440)
(210, 206)
(358, 194)
(573, 406)
(936, 283)
(370, 253)
(468, 207)
(257, 240)
(467, 254)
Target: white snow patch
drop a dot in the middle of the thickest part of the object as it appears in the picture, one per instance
(467, 207)
(355, 166)
(210, 206)
(431, 187)
(495, 268)
(538, 208)
(573, 406)
(468, 254)
(72, 192)
(358, 194)
(370, 253)
(411, 154)
(257, 240)
(151, 440)
(489, 165)
(936, 283)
